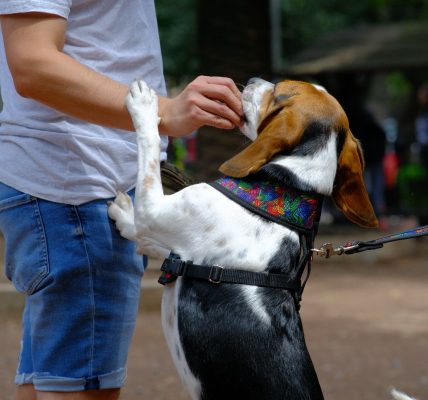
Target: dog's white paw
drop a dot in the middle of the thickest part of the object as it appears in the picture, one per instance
(121, 211)
(142, 104)
(121, 204)
(400, 396)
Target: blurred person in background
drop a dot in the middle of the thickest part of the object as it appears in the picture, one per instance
(421, 125)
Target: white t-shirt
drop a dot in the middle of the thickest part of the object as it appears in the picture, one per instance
(50, 155)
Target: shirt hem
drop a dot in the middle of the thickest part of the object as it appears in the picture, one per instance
(22, 6)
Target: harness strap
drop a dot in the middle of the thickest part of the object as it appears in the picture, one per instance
(174, 266)
(305, 260)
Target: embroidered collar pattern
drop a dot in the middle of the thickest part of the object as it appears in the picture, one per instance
(285, 205)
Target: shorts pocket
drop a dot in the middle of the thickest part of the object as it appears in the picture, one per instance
(26, 256)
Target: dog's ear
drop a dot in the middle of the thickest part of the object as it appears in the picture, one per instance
(280, 131)
(349, 192)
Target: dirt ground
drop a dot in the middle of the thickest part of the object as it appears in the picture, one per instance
(366, 325)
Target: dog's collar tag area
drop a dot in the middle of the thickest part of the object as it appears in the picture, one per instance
(284, 205)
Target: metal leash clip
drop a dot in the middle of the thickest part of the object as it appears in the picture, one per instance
(327, 250)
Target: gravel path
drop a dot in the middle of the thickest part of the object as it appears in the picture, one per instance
(366, 328)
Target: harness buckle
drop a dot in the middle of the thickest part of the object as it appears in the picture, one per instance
(216, 273)
(174, 266)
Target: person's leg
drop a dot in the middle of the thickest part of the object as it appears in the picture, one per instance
(107, 394)
(25, 392)
(82, 282)
(89, 304)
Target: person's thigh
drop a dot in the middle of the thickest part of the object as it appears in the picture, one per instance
(82, 282)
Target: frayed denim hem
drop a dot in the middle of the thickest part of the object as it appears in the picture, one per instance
(44, 382)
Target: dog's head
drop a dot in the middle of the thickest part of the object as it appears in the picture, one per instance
(277, 118)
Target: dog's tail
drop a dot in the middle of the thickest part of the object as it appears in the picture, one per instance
(400, 396)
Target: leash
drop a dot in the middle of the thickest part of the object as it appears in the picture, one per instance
(327, 250)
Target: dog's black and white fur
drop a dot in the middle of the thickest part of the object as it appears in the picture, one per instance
(232, 341)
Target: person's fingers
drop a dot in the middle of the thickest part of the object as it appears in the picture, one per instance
(219, 88)
(218, 109)
(215, 121)
(226, 82)
(223, 95)
(213, 101)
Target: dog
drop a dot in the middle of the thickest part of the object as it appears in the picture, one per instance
(234, 266)
(400, 396)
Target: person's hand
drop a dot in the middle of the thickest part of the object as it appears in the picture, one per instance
(208, 100)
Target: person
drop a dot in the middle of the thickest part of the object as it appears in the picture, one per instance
(421, 125)
(373, 140)
(66, 147)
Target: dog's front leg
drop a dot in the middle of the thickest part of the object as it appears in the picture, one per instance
(142, 104)
(134, 222)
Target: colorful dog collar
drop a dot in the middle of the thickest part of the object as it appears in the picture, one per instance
(284, 205)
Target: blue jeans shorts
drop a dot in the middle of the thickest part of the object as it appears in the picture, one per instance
(82, 285)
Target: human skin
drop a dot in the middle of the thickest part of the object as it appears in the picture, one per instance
(43, 72)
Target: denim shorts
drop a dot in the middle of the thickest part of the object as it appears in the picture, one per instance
(82, 285)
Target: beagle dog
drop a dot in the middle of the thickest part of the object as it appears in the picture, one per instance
(230, 313)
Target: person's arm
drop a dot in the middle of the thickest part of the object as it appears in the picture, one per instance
(41, 71)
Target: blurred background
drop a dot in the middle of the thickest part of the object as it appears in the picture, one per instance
(366, 315)
(372, 55)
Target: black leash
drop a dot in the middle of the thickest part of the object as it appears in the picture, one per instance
(327, 250)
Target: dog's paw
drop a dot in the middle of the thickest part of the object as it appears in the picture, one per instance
(122, 203)
(400, 396)
(142, 104)
(121, 211)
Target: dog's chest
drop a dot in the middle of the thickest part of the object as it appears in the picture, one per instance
(216, 230)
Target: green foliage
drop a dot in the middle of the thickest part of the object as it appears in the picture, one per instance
(398, 87)
(302, 22)
(177, 20)
(412, 181)
(305, 20)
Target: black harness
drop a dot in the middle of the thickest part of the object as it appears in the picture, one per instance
(296, 209)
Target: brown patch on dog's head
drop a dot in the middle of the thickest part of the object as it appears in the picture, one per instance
(285, 113)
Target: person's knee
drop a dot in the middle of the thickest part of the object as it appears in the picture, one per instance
(106, 394)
